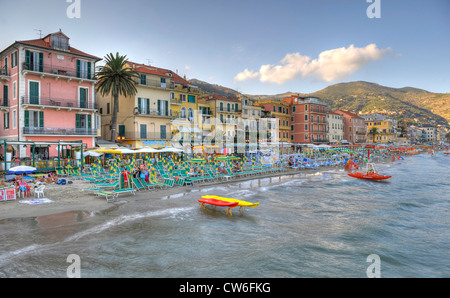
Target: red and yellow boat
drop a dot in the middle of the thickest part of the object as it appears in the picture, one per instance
(220, 203)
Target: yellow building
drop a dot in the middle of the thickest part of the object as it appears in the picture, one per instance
(386, 128)
(146, 119)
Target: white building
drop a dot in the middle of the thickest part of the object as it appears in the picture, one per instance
(335, 127)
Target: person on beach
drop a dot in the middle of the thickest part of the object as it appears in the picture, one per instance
(126, 175)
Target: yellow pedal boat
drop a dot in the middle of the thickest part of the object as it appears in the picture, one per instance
(241, 203)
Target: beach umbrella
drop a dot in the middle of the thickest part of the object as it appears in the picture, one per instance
(22, 170)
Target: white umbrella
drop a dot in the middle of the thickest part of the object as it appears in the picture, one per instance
(92, 153)
(126, 150)
(147, 150)
(170, 149)
(22, 169)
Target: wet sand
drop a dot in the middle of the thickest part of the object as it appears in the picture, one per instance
(71, 197)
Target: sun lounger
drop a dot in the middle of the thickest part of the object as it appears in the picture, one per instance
(111, 195)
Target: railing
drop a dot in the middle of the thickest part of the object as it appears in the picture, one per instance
(154, 112)
(59, 70)
(4, 102)
(57, 102)
(4, 72)
(59, 131)
(148, 135)
(154, 84)
(230, 110)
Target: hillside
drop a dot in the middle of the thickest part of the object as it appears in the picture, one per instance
(405, 104)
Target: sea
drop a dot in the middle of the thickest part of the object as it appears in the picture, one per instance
(309, 225)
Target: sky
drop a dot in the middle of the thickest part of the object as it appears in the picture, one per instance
(255, 46)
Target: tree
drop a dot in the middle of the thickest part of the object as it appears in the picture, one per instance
(117, 78)
(373, 132)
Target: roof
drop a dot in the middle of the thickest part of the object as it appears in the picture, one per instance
(42, 43)
(153, 70)
(351, 114)
(217, 96)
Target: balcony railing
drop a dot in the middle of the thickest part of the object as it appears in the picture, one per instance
(59, 70)
(154, 112)
(57, 102)
(59, 131)
(5, 72)
(147, 135)
(154, 84)
(4, 102)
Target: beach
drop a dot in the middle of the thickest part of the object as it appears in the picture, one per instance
(71, 197)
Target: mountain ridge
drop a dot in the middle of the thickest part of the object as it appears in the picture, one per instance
(408, 104)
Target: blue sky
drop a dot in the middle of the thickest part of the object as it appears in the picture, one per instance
(256, 46)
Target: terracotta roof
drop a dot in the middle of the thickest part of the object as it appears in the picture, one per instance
(41, 43)
(352, 114)
(148, 69)
(217, 96)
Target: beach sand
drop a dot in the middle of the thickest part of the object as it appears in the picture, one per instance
(71, 197)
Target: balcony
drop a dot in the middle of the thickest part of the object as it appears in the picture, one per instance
(229, 110)
(5, 74)
(154, 84)
(154, 113)
(59, 103)
(147, 135)
(58, 131)
(4, 104)
(57, 71)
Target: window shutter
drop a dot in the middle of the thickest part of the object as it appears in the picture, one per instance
(159, 106)
(15, 58)
(148, 105)
(89, 121)
(77, 120)
(41, 118)
(41, 62)
(89, 70)
(139, 105)
(27, 59)
(78, 69)
(167, 108)
(27, 118)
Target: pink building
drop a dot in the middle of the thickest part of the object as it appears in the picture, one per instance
(354, 127)
(47, 93)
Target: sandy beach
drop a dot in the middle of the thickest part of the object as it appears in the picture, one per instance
(71, 197)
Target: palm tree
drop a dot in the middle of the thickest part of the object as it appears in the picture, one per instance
(373, 132)
(117, 78)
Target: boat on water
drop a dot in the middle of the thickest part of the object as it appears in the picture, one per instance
(220, 203)
(370, 174)
(241, 203)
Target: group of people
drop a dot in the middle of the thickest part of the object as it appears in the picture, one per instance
(139, 172)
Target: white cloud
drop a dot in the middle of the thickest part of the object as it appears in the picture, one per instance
(329, 66)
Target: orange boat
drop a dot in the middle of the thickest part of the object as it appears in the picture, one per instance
(446, 152)
(371, 174)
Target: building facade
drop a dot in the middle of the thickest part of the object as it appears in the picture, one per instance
(335, 127)
(386, 128)
(47, 94)
(354, 127)
(308, 120)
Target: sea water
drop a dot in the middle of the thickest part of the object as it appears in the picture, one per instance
(323, 224)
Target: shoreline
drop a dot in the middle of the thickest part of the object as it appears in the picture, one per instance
(71, 197)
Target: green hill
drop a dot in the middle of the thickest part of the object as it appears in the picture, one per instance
(407, 104)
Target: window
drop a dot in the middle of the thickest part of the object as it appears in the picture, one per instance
(83, 122)
(191, 98)
(183, 113)
(143, 79)
(190, 114)
(293, 109)
(163, 83)
(306, 117)
(107, 108)
(144, 106)
(14, 90)
(83, 97)
(83, 69)
(228, 107)
(14, 119)
(143, 131)
(306, 107)
(14, 59)
(121, 130)
(34, 119)
(172, 95)
(221, 106)
(59, 42)
(306, 126)
(163, 107)
(6, 120)
(34, 61)
(182, 97)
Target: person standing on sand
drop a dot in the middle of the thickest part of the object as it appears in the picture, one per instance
(126, 175)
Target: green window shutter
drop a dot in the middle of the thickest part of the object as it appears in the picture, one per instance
(139, 105)
(27, 118)
(148, 105)
(89, 70)
(77, 121)
(15, 58)
(41, 62)
(121, 130)
(159, 106)
(89, 121)
(236, 107)
(5, 95)
(41, 118)
(167, 107)
(78, 69)
(27, 59)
